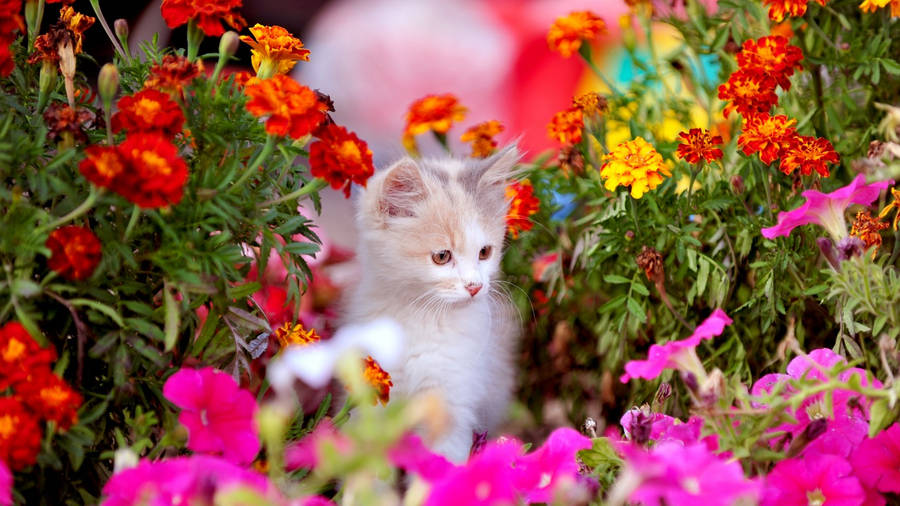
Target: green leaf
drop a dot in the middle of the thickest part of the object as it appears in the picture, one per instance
(635, 309)
(616, 279)
(880, 416)
(612, 304)
(891, 66)
(173, 318)
(702, 276)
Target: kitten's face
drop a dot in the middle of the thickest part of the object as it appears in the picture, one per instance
(434, 229)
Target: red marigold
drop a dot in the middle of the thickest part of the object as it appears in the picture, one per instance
(292, 109)
(522, 204)
(19, 351)
(698, 143)
(50, 397)
(868, 229)
(172, 74)
(63, 121)
(20, 436)
(767, 135)
(778, 8)
(379, 379)
(10, 21)
(340, 158)
(482, 138)
(432, 112)
(748, 93)
(145, 169)
(74, 252)
(65, 32)
(208, 14)
(567, 32)
(771, 56)
(808, 154)
(148, 111)
(566, 126)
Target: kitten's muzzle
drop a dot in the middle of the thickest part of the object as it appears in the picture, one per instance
(473, 288)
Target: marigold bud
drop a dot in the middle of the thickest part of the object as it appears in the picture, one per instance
(228, 44)
(108, 82)
(121, 27)
(737, 184)
(652, 263)
(47, 77)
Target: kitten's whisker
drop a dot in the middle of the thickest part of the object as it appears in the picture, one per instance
(503, 283)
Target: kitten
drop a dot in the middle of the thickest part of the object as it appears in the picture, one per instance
(431, 238)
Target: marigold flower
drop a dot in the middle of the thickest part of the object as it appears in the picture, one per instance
(275, 50)
(767, 135)
(636, 164)
(868, 230)
(482, 138)
(50, 398)
(295, 335)
(522, 204)
(20, 436)
(172, 74)
(698, 143)
(873, 5)
(10, 21)
(570, 160)
(808, 154)
(67, 31)
(208, 14)
(591, 103)
(893, 205)
(748, 93)
(340, 158)
(772, 57)
(20, 352)
(651, 262)
(74, 252)
(432, 112)
(566, 126)
(779, 8)
(567, 32)
(291, 108)
(148, 111)
(63, 121)
(379, 379)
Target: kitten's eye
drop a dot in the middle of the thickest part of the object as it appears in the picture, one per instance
(441, 257)
(485, 253)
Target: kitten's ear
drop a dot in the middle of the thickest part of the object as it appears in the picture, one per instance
(402, 190)
(501, 166)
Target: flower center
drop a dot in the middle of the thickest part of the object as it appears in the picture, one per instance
(349, 151)
(815, 498)
(54, 396)
(204, 418)
(483, 490)
(7, 426)
(156, 163)
(691, 485)
(13, 350)
(147, 108)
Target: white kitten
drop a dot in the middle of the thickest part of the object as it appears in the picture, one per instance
(431, 238)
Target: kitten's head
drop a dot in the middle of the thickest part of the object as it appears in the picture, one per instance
(434, 228)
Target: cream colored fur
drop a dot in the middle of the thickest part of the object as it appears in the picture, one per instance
(456, 344)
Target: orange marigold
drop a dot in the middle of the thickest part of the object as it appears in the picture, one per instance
(634, 163)
(74, 252)
(20, 435)
(808, 154)
(868, 229)
(340, 158)
(522, 204)
(482, 138)
(67, 31)
(295, 335)
(432, 112)
(779, 8)
(893, 205)
(873, 5)
(20, 352)
(566, 126)
(379, 379)
(291, 108)
(148, 111)
(567, 32)
(50, 397)
(62, 121)
(172, 74)
(275, 50)
(590, 103)
(10, 21)
(699, 143)
(208, 14)
(748, 93)
(767, 135)
(770, 57)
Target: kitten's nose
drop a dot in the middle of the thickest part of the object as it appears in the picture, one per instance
(473, 288)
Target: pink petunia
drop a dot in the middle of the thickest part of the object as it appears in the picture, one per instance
(814, 479)
(658, 427)
(678, 474)
(540, 473)
(676, 354)
(411, 454)
(218, 414)
(487, 479)
(827, 209)
(180, 480)
(877, 461)
(307, 452)
(6, 484)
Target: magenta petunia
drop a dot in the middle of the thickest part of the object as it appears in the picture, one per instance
(877, 461)
(674, 473)
(487, 479)
(827, 209)
(673, 355)
(180, 480)
(814, 479)
(410, 453)
(554, 464)
(6, 484)
(306, 453)
(218, 414)
(659, 427)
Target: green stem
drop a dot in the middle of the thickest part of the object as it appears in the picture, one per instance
(341, 415)
(251, 169)
(194, 38)
(690, 189)
(96, 5)
(107, 115)
(585, 52)
(135, 214)
(763, 178)
(637, 228)
(310, 187)
(75, 213)
(34, 18)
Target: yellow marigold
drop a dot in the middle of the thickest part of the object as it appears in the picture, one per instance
(894, 205)
(379, 379)
(275, 50)
(567, 32)
(868, 229)
(295, 335)
(566, 126)
(636, 164)
(873, 5)
(482, 138)
(590, 103)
